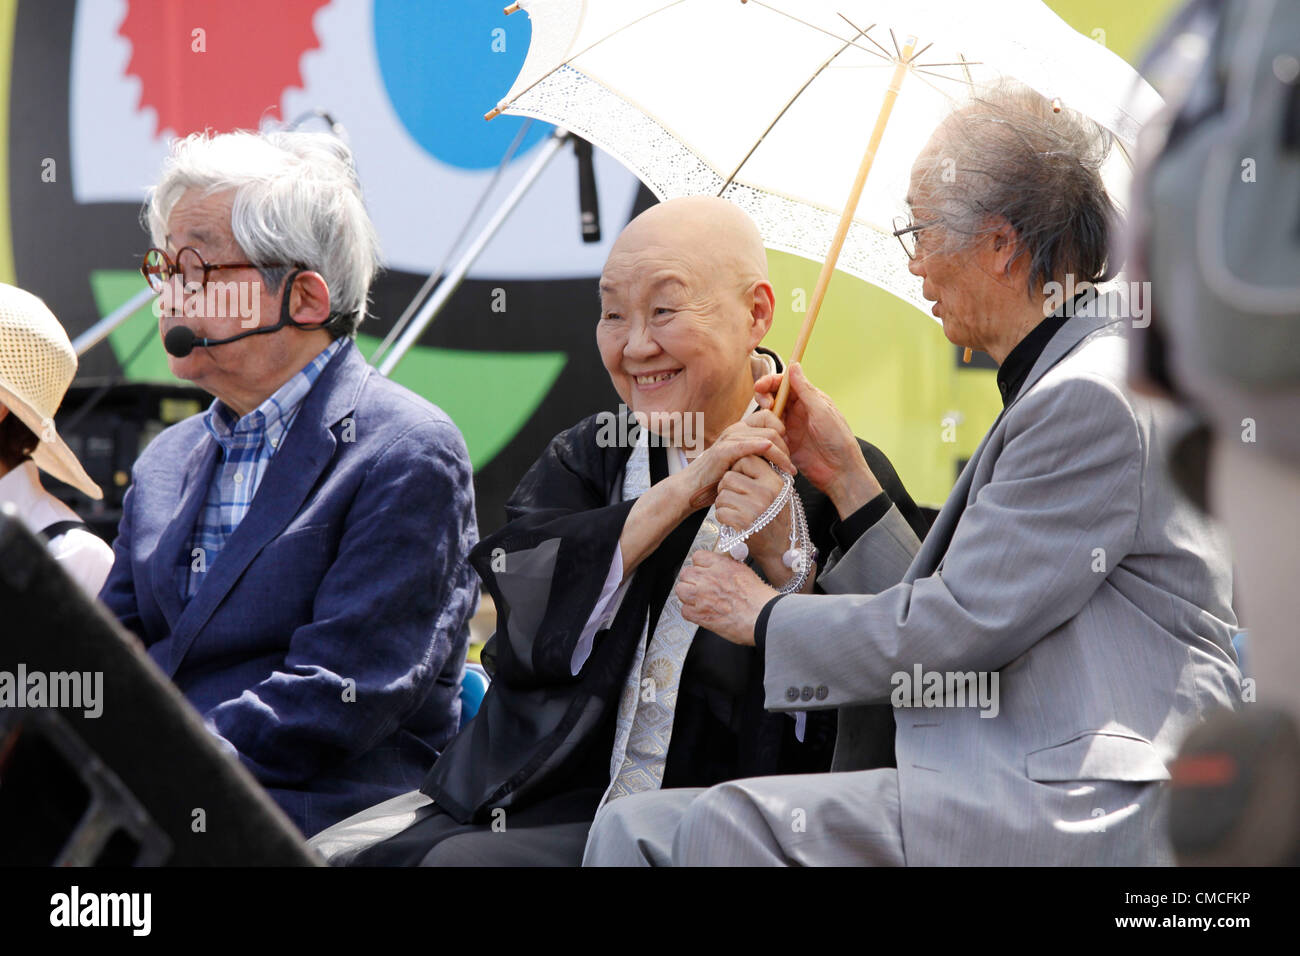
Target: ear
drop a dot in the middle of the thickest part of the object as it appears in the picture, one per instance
(762, 311)
(1002, 248)
(309, 299)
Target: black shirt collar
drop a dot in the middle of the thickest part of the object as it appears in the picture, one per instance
(1018, 363)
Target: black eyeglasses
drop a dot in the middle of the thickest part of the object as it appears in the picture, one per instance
(158, 268)
(905, 232)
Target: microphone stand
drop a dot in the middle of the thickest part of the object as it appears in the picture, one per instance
(435, 303)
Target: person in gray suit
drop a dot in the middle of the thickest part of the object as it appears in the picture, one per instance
(1068, 618)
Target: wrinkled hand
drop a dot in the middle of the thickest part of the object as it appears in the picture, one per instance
(723, 595)
(819, 438)
(744, 493)
(740, 440)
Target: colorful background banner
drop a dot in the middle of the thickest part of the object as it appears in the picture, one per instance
(93, 90)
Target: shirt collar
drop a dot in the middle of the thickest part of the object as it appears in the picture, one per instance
(272, 418)
(1020, 360)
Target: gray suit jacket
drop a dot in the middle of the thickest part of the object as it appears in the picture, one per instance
(1065, 561)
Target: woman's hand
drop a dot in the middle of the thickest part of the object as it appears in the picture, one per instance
(820, 441)
(667, 503)
(741, 440)
(744, 493)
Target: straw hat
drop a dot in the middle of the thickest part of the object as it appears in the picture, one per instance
(37, 364)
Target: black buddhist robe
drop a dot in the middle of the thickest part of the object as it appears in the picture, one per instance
(538, 751)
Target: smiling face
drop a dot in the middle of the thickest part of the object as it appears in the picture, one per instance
(684, 301)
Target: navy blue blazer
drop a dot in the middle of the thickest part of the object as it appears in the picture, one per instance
(325, 643)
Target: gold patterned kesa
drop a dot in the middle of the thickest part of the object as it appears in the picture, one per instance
(644, 729)
(663, 672)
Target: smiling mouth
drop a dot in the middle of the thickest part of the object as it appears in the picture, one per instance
(655, 378)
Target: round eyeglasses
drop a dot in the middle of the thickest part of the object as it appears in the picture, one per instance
(906, 231)
(158, 267)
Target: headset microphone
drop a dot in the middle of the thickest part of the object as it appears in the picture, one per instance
(181, 340)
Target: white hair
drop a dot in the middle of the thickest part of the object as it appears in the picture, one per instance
(297, 201)
(1010, 153)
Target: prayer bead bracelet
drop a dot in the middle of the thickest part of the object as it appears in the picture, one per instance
(800, 556)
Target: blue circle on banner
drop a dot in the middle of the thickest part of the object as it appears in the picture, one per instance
(444, 65)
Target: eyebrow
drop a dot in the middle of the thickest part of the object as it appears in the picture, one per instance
(201, 235)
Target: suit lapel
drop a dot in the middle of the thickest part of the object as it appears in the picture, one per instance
(291, 476)
(1096, 314)
(173, 543)
(936, 542)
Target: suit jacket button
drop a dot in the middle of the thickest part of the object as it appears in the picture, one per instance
(806, 694)
(792, 693)
(822, 692)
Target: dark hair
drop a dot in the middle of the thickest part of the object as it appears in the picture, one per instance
(1011, 154)
(17, 441)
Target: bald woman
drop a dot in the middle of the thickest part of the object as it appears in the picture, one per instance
(600, 688)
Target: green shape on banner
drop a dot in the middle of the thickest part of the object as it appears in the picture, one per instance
(489, 395)
(111, 288)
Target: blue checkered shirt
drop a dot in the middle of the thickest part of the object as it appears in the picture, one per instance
(247, 445)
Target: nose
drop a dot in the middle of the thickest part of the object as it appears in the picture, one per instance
(916, 266)
(640, 343)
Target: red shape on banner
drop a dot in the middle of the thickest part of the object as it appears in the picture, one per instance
(219, 64)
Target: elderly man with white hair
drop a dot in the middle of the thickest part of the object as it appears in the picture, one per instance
(294, 557)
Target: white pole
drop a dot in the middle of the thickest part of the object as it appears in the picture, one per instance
(88, 339)
(429, 311)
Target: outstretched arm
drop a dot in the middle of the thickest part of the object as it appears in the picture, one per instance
(1059, 512)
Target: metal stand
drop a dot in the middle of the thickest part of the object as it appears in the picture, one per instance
(429, 311)
(88, 339)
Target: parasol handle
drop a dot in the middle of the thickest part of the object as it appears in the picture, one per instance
(846, 218)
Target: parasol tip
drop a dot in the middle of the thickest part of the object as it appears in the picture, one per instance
(492, 113)
(1056, 105)
(512, 8)
(965, 356)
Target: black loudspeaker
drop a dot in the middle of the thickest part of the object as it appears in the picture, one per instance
(102, 761)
